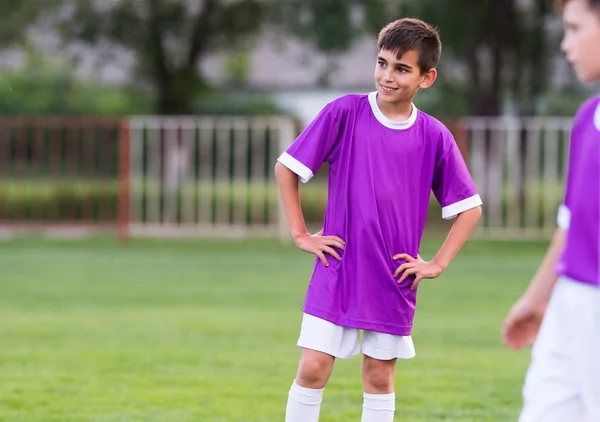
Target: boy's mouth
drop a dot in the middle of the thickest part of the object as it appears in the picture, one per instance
(387, 89)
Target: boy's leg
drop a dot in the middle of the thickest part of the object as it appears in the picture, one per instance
(381, 352)
(321, 342)
(588, 352)
(379, 397)
(551, 391)
(306, 393)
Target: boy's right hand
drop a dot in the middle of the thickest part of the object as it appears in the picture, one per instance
(522, 324)
(320, 245)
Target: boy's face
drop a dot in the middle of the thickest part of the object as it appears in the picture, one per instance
(581, 41)
(398, 80)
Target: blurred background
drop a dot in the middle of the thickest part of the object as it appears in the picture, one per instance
(144, 120)
(225, 86)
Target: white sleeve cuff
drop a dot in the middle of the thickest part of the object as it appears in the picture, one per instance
(452, 210)
(563, 219)
(303, 172)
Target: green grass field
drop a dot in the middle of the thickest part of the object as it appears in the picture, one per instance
(205, 331)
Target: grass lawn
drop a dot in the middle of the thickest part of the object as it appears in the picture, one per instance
(205, 331)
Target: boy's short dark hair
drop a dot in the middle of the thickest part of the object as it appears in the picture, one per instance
(594, 4)
(408, 34)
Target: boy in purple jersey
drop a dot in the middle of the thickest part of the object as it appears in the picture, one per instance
(385, 158)
(562, 302)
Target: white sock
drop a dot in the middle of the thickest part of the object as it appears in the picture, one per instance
(379, 407)
(304, 404)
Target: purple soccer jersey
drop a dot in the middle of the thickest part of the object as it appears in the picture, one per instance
(381, 175)
(580, 211)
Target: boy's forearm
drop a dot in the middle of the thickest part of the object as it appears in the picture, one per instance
(458, 235)
(540, 289)
(289, 193)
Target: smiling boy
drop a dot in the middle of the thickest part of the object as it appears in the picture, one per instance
(385, 158)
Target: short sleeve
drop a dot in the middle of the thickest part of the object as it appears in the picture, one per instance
(453, 185)
(563, 218)
(314, 146)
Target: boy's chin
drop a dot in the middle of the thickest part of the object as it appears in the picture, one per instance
(587, 76)
(588, 79)
(388, 97)
(391, 99)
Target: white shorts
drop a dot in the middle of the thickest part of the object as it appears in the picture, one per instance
(342, 342)
(563, 380)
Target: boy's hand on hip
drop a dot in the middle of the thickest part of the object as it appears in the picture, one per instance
(418, 267)
(320, 245)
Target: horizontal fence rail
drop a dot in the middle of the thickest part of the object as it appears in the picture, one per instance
(213, 176)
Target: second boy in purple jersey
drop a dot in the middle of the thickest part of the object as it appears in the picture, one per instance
(385, 158)
(563, 380)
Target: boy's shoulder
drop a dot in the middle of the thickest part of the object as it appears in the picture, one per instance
(588, 112)
(434, 126)
(348, 102)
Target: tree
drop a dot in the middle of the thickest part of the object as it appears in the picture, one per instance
(502, 45)
(332, 26)
(18, 17)
(168, 38)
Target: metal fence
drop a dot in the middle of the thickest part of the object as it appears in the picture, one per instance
(59, 174)
(206, 176)
(519, 166)
(201, 176)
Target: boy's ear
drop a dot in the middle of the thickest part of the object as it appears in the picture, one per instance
(428, 78)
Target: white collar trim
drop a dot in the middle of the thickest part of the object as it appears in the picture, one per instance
(400, 125)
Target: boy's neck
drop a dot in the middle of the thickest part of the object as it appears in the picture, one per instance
(397, 112)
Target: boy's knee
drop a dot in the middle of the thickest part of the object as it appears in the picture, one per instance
(378, 376)
(314, 370)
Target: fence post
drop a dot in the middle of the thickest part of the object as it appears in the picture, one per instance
(124, 180)
(462, 139)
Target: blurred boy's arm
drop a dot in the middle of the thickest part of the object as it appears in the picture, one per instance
(289, 193)
(525, 317)
(540, 289)
(459, 233)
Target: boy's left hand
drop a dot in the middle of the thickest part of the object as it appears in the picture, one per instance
(418, 267)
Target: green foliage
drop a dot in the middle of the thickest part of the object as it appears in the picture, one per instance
(332, 26)
(563, 102)
(446, 99)
(500, 49)
(237, 67)
(503, 47)
(16, 17)
(50, 86)
(168, 39)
